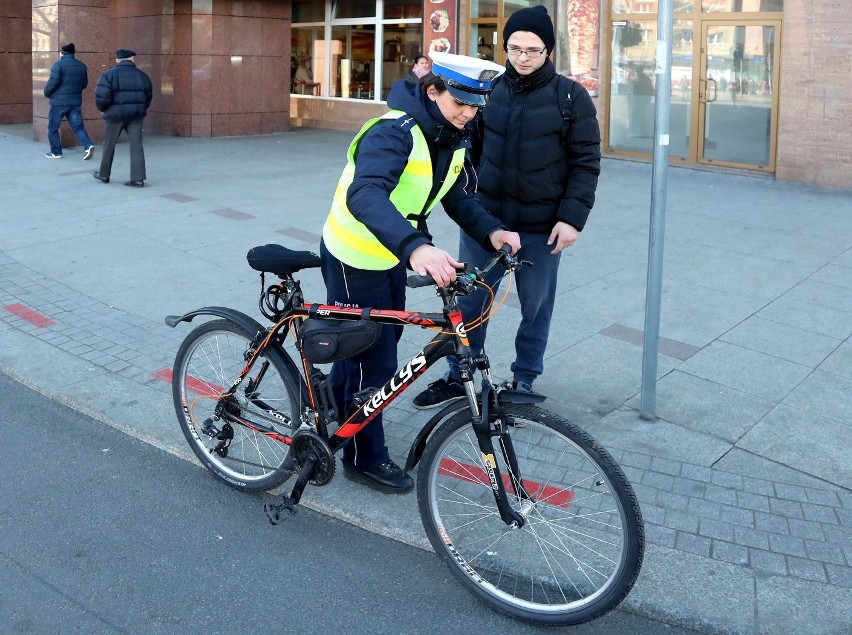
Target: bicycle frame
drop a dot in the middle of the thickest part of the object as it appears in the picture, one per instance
(452, 339)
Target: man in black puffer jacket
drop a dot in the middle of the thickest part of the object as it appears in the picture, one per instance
(68, 77)
(538, 174)
(123, 95)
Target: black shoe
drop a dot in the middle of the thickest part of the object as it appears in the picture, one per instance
(135, 184)
(439, 393)
(100, 178)
(388, 478)
(524, 388)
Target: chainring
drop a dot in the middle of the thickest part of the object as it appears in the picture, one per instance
(305, 442)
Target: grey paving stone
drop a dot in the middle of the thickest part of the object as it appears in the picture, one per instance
(790, 509)
(825, 552)
(838, 534)
(650, 513)
(681, 521)
(841, 576)
(751, 538)
(721, 494)
(659, 481)
(806, 569)
(822, 497)
(845, 516)
(727, 479)
(663, 536)
(753, 501)
(693, 544)
(729, 552)
(758, 486)
(736, 516)
(704, 508)
(805, 529)
(672, 501)
(791, 492)
(845, 499)
(810, 442)
(688, 487)
(743, 369)
(768, 561)
(716, 529)
(788, 545)
(819, 513)
(700, 473)
(665, 466)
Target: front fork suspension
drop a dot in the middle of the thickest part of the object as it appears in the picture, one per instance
(484, 434)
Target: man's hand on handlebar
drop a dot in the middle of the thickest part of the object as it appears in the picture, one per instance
(435, 262)
(503, 237)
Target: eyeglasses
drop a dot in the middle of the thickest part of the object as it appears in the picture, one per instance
(532, 54)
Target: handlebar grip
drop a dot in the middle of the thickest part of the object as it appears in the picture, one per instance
(416, 281)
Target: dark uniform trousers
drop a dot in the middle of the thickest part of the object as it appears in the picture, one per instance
(348, 286)
(112, 130)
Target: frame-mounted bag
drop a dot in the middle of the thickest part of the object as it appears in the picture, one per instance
(326, 341)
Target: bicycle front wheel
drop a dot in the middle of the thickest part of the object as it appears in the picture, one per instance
(580, 549)
(208, 362)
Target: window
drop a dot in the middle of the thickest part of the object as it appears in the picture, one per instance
(348, 52)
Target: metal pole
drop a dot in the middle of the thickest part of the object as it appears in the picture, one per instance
(653, 292)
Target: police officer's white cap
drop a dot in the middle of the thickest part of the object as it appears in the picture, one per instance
(468, 79)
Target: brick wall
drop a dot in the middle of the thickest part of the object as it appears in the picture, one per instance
(814, 133)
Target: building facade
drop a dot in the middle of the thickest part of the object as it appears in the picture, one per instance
(757, 85)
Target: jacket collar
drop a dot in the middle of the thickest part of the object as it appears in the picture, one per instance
(528, 82)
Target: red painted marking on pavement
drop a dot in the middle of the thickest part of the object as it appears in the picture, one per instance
(560, 497)
(195, 385)
(36, 319)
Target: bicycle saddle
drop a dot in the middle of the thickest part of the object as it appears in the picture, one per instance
(281, 261)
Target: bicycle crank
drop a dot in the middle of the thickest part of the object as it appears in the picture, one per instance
(313, 458)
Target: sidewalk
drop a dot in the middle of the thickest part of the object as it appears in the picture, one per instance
(745, 480)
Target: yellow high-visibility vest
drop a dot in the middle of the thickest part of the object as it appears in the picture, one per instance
(349, 240)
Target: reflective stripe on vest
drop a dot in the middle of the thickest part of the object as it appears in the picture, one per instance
(348, 239)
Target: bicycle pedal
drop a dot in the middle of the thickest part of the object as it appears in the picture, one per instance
(273, 512)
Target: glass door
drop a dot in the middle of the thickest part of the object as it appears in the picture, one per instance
(737, 112)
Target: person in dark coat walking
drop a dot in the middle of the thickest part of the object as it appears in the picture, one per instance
(68, 78)
(123, 95)
(538, 174)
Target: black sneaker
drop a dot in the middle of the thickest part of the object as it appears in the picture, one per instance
(439, 393)
(388, 478)
(525, 388)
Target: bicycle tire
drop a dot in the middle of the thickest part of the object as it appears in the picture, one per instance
(580, 550)
(207, 363)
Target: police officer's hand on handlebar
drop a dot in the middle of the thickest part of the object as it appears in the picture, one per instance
(428, 260)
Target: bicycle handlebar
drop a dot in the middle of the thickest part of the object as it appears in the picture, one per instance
(467, 278)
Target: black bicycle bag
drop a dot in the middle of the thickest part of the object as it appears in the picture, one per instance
(326, 341)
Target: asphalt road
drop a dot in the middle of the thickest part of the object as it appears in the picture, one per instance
(102, 533)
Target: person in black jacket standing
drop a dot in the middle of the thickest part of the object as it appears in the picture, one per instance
(123, 95)
(538, 174)
(68, 78)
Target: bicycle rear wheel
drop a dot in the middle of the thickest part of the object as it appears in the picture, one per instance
(580, 550)
(210, 359)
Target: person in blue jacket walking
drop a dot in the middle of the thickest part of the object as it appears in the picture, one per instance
(68, 78)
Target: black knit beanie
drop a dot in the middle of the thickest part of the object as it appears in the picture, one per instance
(67, 49)
(535, 20)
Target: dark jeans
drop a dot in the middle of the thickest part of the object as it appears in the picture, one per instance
(536, 288)
(75, 119)
(112, 130)
(348, 286)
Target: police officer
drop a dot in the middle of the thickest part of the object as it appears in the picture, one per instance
(399, 166)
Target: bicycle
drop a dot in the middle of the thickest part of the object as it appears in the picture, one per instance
(529, 512)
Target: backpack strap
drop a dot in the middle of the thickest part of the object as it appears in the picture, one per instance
(564, 88)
